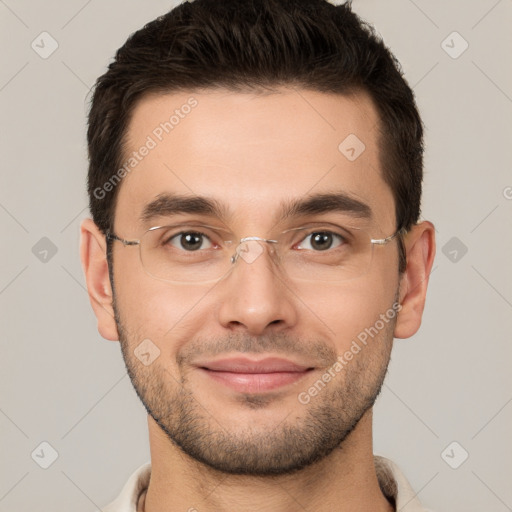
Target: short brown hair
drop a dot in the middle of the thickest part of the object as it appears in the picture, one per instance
(257, 45)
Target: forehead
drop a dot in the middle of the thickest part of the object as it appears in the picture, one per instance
(251, 152)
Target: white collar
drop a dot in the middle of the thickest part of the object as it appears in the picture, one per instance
(392, 482)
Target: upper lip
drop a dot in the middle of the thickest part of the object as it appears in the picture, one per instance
(245, 365)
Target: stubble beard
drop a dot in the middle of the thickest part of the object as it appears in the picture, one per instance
(306, 435)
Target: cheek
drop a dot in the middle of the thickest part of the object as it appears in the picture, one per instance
(153, 309)
(346, 310)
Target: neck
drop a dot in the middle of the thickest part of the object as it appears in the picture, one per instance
(344, 481)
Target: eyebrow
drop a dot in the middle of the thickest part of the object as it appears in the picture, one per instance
(168, 204)
(171, 204)
(326, 203)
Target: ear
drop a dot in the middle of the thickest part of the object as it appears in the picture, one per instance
(420, 249)
(94, 263)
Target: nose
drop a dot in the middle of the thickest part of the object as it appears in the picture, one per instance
(255, 297)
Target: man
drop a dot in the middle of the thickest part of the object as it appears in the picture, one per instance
(255, 182)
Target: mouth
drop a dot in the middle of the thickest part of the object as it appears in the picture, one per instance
(254, 376)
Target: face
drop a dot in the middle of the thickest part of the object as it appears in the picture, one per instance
(251, 155)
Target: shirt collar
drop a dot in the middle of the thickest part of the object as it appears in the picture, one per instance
(392, 482)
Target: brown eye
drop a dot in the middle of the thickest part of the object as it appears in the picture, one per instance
(190, 241)
(321, 241)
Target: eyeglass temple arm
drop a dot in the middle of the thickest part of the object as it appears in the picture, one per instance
(384, 241)
(112, 236)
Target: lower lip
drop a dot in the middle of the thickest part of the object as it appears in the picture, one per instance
(255, 382)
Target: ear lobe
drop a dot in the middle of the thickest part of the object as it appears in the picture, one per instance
(94, 263)
(420, 249)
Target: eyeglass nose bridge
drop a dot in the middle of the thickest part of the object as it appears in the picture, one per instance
(249, 252)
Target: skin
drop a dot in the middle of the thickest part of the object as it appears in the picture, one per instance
(251, 152)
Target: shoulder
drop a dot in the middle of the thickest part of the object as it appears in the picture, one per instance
(127, 499)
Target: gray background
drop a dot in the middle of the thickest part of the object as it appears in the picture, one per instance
(61, 383)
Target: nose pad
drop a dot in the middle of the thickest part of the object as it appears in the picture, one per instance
(250, 248)
(249, 251)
